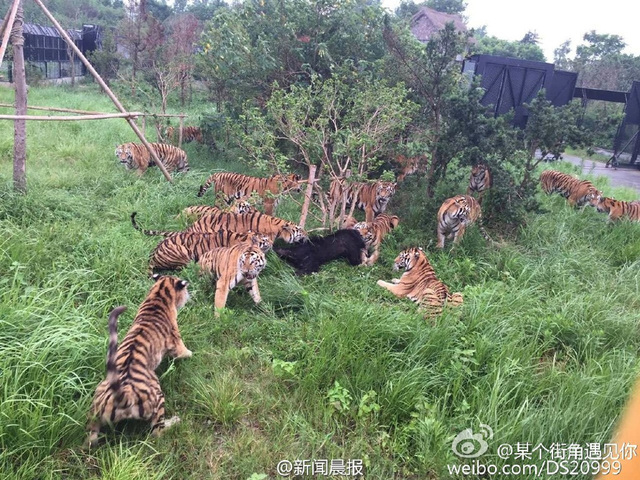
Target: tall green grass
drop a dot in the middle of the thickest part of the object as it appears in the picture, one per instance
(544, 349)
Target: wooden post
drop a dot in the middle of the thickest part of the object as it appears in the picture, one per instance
(8, 25)
(180, 131)
(144, 125)
(107, 90)
(307, 195)
(20, 83)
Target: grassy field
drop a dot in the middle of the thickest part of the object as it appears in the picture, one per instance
(330, 366)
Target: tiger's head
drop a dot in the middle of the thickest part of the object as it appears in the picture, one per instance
(262, 241)
(251, 262)
(124, 155)
(241, 207)
(408, 258)
(172, 287)
(384, 192)
(292, 233)
(605, 204)
(479, 169)
(289, 182)
(367, 234)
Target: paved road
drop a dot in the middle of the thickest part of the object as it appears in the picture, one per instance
(622, 177)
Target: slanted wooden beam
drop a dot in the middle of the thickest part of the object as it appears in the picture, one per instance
(8, 25)
(105, 87)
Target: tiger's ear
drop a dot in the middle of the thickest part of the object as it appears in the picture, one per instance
(156, 277)
(182, 284)
(255, 240)
(394, 221)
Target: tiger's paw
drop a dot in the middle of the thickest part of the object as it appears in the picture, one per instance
(172, 421)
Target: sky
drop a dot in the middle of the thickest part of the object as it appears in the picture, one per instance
(554, 20)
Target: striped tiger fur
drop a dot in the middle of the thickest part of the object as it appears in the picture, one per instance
(373, 233)
(577, 192)
(617, 209)
(197, 211)
(372, 197)
(135, 156)
(479, 180)
(180, 249)
(189, 134)
(240, 186)
(242, 223)
(455, 214)
(230, 266)
(419, 283)
(408, 165)
(131, 389)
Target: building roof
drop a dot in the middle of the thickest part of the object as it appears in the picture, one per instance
(46, 31)
(428, 21)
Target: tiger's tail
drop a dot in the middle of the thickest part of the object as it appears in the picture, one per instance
(151, 233)
(205, 186)
(483, 232)
(112, 372)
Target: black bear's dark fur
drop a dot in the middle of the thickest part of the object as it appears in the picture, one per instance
(309, 256)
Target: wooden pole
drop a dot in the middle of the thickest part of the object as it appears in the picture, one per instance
(68, 119)
(307, 195)
(5, 21)
(180, 132)
(105, 87)
(20, 83)
(8, 26)
(64, 110)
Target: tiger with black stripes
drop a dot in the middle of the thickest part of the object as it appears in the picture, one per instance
(479, 180)
(180, 249)
(135, 156)
(256, 222)
(419, 283)
(577, 192)
(197, 211)
(230, 266)
(455, 215)
(239, 186)
(408, 165)
(617, 209)
(373, 233)
(371, 197)
(131, 389)
(189, 134)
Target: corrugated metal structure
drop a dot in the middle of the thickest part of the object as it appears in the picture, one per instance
(46, 50)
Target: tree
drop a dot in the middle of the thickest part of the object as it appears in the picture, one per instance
(599, 47)
(341, 125)
(490, 45)
(447, 6)
(430, 71)
(561, 56)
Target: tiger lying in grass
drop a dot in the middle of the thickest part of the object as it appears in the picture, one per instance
(419, 283)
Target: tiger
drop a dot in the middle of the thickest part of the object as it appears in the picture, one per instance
(577, 192)
(372, 197)
(131, 389)
(189, 134)
(373, 233)
(230, 266)
(408, 165)
(197, 211)
(455, 214)
(240, 186)
(256, 222)
(479, 181)
(617, 208)
(180, 249)
(135, 156)
(419, 283)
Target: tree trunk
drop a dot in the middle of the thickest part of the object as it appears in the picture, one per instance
(307, 195)
(19, 126)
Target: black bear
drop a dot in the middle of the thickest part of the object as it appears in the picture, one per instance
(308, 257)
